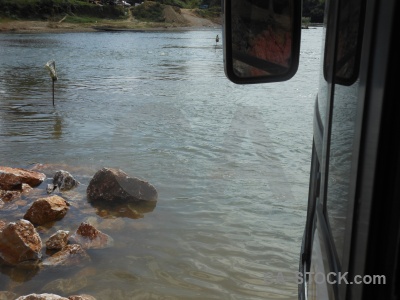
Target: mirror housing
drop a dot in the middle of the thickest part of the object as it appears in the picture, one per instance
(261, 40)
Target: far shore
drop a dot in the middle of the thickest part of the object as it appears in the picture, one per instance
(193, 22)
(49, 27)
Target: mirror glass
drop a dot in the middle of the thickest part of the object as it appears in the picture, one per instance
(261, 39)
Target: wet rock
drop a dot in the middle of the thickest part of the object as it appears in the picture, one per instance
(5, 295)
(21, 273)
(81, 297)
(26, 188)
(58, 240)
(50, 188)
(7, 196)
(45, 210)
(13, 178)
(112, 185)
(19, 242)
(91, 238)
(70, 255)
(66, 286)
(42, 297)
(2, 225)
(52, 168)
(113, 224)
(64, 181)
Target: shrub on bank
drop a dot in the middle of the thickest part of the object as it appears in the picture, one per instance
(149, 11)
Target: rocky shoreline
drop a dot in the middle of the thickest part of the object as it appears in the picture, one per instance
(33, 243)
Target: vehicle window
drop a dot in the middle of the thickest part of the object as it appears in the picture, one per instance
(343, 118)
(348, 43)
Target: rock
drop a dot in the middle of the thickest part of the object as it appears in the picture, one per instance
(2, 225)
(13, 178)
(91, 238)
(64, 181)
(70, 255)
(7, 196)
(81, 297)
(112, 185)
(50, 188)
(45, 210)
(20, 242)
(1, 204)
(26, 188)
(42, 297)
(58, 240)
(5, 295)
(66, 286)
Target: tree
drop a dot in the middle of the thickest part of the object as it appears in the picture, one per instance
(314, 9)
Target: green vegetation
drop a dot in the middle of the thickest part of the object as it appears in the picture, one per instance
(178, 3)
(210, 13)
(305, 21)
(149, 11)
(314, 9)
(81, 11)
(81, 20)
(46, 9)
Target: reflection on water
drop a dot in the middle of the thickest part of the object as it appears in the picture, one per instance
(230, 163)
(57, 128)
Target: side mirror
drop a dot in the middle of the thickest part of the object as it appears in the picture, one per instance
(261, 40)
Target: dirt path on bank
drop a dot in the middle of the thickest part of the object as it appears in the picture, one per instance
(196, 21)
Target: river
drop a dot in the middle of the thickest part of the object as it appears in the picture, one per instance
(230, 162)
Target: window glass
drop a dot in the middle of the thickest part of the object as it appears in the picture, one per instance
(343, 118)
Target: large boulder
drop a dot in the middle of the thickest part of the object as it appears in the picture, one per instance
(13, 178)
(45, 210)
(114, 185)
(20, 242)
(91, 238)
(70, 255)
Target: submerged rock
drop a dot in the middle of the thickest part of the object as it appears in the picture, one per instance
(13, 178)
(91, 238)
(45, 210)
(66, 286)
(7, 196)
(41, 297)
(81, 297)
(5, 295)
(2, 225)
(70, 255)
(20, 242)
(58, 240)
(111, 185)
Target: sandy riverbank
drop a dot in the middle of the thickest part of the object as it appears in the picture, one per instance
(191, 22)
